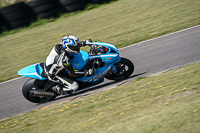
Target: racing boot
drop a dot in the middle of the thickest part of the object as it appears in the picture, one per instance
(58, 88)
(72, 87)
(68, 84)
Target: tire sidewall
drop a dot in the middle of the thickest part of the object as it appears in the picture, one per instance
(19, 23)
(44, 8)
(131, 69)
(68, 2)
(48, 14)
(12, 8)
(36, 3)
(75, 7)
(16, 16)
(28, 85)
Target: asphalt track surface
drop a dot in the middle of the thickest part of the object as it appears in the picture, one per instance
(149, 57)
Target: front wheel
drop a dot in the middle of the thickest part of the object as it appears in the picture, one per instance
(30, 86)
(124, 68)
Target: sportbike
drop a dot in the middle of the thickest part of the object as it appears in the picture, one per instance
(103, 57)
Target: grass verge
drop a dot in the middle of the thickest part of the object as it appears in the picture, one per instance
(168, 102)
(122, 23)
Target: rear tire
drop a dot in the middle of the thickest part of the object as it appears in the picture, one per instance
(124, 69)
(27, 87)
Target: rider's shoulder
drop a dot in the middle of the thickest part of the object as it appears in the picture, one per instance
(59, 48)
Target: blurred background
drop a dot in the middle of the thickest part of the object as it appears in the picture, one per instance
(163, 103)
(20, 13)
(29, 29)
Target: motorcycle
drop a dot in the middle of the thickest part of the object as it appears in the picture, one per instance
(103, 57)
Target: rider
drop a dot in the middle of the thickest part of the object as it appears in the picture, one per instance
(59, 58)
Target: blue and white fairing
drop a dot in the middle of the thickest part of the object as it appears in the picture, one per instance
(80, 60)
(110, 57)
(32, 71)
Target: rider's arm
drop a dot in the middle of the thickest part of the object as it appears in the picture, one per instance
(71, 70)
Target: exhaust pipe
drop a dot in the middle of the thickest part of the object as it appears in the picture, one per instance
(38, 92)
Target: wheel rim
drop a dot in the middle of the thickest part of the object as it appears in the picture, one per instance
(122, 71)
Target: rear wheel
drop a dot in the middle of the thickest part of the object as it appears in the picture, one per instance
(124, 68)
(30, 86)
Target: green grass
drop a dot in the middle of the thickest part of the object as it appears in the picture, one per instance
(122, 23)
(164, 103)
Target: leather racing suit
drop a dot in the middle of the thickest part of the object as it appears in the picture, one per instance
(57, 60)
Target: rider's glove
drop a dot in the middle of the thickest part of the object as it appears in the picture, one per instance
(89, 40)
(90, 72)
(82, 43)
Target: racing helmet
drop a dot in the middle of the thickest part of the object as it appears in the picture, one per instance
(71, 44)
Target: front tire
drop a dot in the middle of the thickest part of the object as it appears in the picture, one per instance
(26, 89)
(124, 69)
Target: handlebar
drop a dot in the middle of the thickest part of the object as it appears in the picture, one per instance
(95, 49)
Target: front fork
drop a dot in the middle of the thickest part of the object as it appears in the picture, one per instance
(113, 67)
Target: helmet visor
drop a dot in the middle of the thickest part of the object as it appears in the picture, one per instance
(74, 48)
